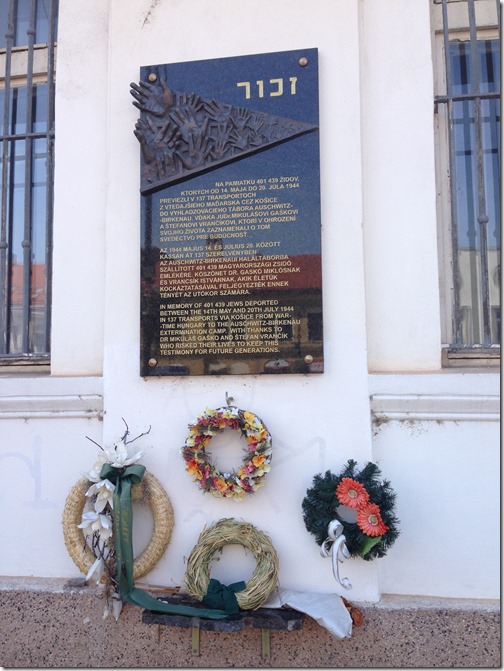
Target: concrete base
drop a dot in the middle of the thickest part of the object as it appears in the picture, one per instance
(46, 623)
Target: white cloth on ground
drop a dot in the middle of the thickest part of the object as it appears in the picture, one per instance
(327, 609)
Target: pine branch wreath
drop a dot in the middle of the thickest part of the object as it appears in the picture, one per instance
(375, 530)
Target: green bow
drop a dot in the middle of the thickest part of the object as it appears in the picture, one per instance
(223, 596)
(124, 478)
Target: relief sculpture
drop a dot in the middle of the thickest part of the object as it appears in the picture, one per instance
(182, 134)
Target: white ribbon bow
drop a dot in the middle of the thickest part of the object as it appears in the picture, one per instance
(339, 550)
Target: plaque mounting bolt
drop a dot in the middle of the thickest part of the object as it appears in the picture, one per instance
(152, 77)
(303, 61)
(152, 362)
(308, 358)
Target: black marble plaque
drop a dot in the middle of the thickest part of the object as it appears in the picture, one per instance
(231, 278)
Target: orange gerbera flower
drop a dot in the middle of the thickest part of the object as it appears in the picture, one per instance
(351, 493)
(369, 520)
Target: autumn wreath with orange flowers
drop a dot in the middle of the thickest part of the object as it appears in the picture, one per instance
(256, 461)
(361, 501)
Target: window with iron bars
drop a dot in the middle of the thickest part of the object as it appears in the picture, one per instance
(467, 106)
(27, 76)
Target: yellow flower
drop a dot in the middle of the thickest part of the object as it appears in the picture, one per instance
(258, 460)
(262, 435)
(220, 485)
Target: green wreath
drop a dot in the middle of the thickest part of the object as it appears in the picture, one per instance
(372, 498)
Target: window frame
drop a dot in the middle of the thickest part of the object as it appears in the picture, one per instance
(27, 66)
(454, 353)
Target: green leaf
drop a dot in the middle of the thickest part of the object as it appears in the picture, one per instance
(368, 543)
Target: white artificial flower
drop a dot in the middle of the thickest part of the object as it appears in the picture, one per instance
(117, 456)
(93, 521)
(113, 606)
(104, 492)
(117, 604)
(94, 473)
(96, 570)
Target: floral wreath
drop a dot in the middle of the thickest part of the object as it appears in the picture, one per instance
(90, 524)
(372, 499)
(256, 462)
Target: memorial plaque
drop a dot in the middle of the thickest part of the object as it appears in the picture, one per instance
(231, 278)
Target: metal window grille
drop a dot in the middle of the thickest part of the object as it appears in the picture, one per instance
(27, 74)
(472, 109)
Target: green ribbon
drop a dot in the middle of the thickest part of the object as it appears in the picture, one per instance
(223, 596)
(124, 478)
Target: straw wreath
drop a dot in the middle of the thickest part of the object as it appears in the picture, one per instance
(150, 491)
(226, 532)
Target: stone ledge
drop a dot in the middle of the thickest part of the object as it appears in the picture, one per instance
(409, 602)
(387, 601)
(57, 622)
(51, 397)
(435, 407)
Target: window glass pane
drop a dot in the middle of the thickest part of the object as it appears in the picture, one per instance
(466, 178)
(18, 109)
(471, 251)
(38, 308)
(39, 185)
(16, 200)
(16, 219)
(22, 9)
(2, 103)
(21, 22)
(460, 67)
(40, 104)
(488, 63)
(15, 206)
(4, 18)
(491, 166)
(42, 35)
(16, 310)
